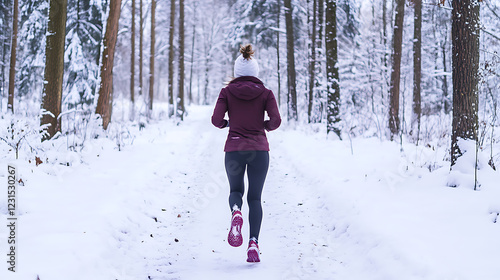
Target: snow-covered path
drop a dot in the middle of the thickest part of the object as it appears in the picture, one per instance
(293, 240)
(158, 210)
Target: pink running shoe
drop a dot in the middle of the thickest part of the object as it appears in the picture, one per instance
(253, 252)
(234, 237)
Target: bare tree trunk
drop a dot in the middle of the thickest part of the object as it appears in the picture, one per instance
(5, 34)
(141, 40)
(152, 59)
(54, 67)
(3, 46)
(312, 63)
(98, 54)
(132, 63)
(180, 102)
(384, 32)
(394, 124)
(465, 60)
(278, 52)
(417, 71)
(13, 49)
(105, 100)
(207, 80)
(199, 87)
(447, 107)
(321, 11)
(319, 60)
(171, 59)
(384, 70)
(292, 92)
(332, 70)
(192, 59)
(132, 55)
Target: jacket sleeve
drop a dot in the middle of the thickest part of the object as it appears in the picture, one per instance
(220, 111)
(273, 113)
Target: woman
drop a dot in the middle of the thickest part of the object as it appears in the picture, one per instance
(246, 99)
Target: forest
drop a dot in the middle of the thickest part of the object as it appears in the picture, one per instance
(377, 68)
(384, 166)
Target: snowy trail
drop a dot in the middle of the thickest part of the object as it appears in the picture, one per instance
(158, 210)
(297, 237)
(284, 242)
(294, 238)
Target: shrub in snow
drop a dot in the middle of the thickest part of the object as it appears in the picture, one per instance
(464, 172)
(19, 132)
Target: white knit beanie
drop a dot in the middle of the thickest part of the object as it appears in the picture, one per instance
(246, 66)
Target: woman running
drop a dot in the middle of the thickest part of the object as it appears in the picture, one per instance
(245, 99)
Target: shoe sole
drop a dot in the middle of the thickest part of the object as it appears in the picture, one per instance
(234, 237)
(253, 255)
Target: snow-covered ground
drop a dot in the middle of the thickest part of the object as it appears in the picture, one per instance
(158, 209)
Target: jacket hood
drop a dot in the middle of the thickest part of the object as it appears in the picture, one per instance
(246, 87)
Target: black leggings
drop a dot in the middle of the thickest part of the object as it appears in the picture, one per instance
(256, 163)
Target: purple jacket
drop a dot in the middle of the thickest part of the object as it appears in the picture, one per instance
(245, 99)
